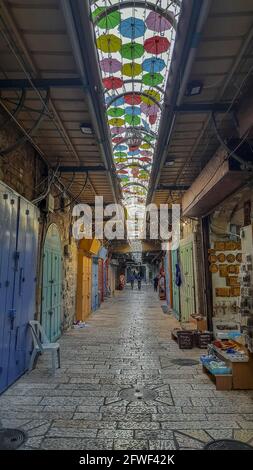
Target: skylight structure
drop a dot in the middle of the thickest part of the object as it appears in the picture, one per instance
(135, 40)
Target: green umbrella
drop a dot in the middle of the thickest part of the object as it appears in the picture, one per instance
(132, 50)
(152, 79)
(149, 138)
(132, 120)
(120, 154)
(115, 112)
(110, 21)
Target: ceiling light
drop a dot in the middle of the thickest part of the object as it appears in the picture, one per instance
(86, 129)
(194, 88)
(169, 163)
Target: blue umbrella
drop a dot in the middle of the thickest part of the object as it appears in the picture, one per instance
(132, 28)
(145, 125)
(132, 154)
(153, 65)
(118, 102)
(120, 148)
(133, 110)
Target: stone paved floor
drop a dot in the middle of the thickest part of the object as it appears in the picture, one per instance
(126, 344)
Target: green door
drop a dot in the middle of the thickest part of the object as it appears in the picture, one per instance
(187, 294)
(175, 288)
(52, 284)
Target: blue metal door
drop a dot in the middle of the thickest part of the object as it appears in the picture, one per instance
(52, 284)
(18, 258)
(95, 300)
(175, 288)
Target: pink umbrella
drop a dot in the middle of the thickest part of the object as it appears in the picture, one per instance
(118, 130)
(146, 153)
(110, 65)
(157, 23)
(149, 110)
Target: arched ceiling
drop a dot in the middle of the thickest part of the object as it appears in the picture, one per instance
(135, 42)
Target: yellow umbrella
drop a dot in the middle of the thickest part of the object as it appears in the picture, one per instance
(131, 69)
(153, 94)
(117, 122)
(109, 43)
(145, 146)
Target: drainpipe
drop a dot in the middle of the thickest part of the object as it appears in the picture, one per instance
(199, 10)
(98, 126)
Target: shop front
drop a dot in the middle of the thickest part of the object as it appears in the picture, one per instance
(87, 248)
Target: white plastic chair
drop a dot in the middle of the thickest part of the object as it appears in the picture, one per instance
(41, 344)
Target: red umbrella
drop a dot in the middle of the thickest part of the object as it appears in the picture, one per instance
(145, 159)
(112, 83)
(133, 148)
(117, 140)
(152, 119)
(156, 45)
(132, 99)
(123, 172)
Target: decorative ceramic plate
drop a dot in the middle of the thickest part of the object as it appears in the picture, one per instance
(221, 258)
(230, 258)
(213, 268)
(212, 258)
(239, 257)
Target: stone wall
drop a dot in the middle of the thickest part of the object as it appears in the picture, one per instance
(23, 170)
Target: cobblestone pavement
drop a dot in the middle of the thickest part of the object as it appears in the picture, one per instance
(88, 405)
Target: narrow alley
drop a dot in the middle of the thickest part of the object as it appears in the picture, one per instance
(119, 388)
(126, 227)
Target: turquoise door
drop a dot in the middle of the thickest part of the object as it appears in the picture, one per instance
(52, 284)
(187, 288)
(175, 288)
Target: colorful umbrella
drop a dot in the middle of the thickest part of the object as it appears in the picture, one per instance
(152, 119)
(132, 28)
(132, 99)
(133, 153)
(132, 69)
(117, 140)
(109, 43)
(135, 172)
(157, 23)
(156, 45)
(120, 154)
(110, 21)
(122, 172)
(118, 102)
(149, 138)
(152, 79)
(112, 83)
(146, 159)
(153, 65)
(110, 65)
(118, 130)
(145, 125)
(120, 160)
(149, 110)
(132, 50)
(133, 148)
(133, 120)
(145, 146)
(153, 94)
(120, 148)
(118, 122)
(116, 112)
(146, 153)
(133, 110)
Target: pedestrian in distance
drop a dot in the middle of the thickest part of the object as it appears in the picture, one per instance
(132, 279)
(139, 281)
(156, 281)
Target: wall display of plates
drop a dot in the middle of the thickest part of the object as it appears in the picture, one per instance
(212, 258)
(219, 246)
(238, 257)
(230, 258)
(223, 270)
(221, 258)
(213, 268)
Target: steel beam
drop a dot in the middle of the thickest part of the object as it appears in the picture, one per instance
(81, 169)
(43, 83)
(173, 187)
(204, 108)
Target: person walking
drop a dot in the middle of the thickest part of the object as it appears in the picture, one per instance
(156, 280)
(139, 281)
(132, 278)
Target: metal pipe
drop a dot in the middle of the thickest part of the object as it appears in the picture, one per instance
(68, 10)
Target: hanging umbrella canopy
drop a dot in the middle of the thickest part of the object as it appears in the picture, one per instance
(110, 65)
(116, 112)
(112, 83)
(153, 94)
(145, 146)
(132, 69)
(135, 172)
(146, 159)
(132, 120)
(118, 122)
(156, 45)
(132, 99)
(149, 110)
(132, 51)
(109, 43)
(157, 23)
(122, 172)
(120, 154)
(145, 125)
(117, 102)
(152, 79)
(133, 148)
(110, 21)
(133, 110)
(132, 28)
(133, 153)
(149, 138)
(153, 65)
(146, 153)
(118, 130)
(120, 160)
